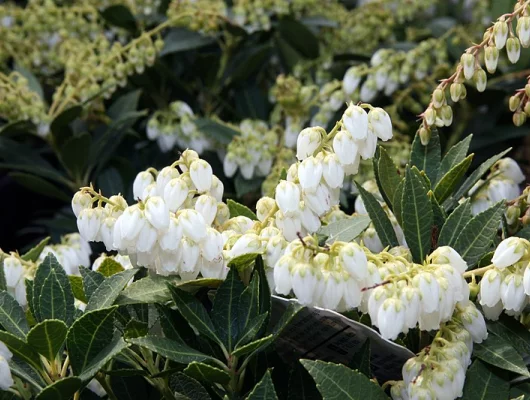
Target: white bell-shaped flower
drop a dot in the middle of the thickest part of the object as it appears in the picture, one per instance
(512, 293)
(290, 226)
(89, 222)
(345, 147)
(14, 271)
(473, 321)
(264, 206)
(307, 142)
(429, 290)
(229, 165)
(391, 318)
(332, 171)
(320, 201)
(448, 255)
(217, 189)
(201, 175)
(368, 146)
(170, 240)
(162, 179)
(508, 252)
(142, 180)
(526, 280)
(6, 380)
(246, 244)
(193, 224)
(355, 120)
(190, 255)
(490, 288)
(132, 221)
(157, 213)
(381, 124)
(175, 193)
(212, 245)
(411, 300)
(282, 274)
(304, 282)
(334, 285)
(274, 250)
(493, 313)
(352, 295)
(309, 219)
(207, 206)
(288, 197)
(502, 189)
(80, 201)
(509, 169)
(351, 80)
(353, 259)
(106, 232)
(146, 239)
(310, 173)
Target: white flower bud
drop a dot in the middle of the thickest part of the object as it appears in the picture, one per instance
(508, 252)
(264, 207)
(480, 79)
(502, 189)
(345, 147)
(193, 224)
(142, 180)
(282, 274)
(391, 318)
(491, 58)
(107, 232)
(217, 189)
(310, 221)
(430, 116)
(509, 169)
(429, 290)
(490, 287)
(308, 142)
(355, 120)
(89, 222)
(411, 300)
(332, 285)
(512, 293)
(207, 206)
(201, 175)
(381, 123)
(190, 255)
(353, 260)
(304, 282)
(14, 271)
(157, 213)
(212, 245)
(287, 197)
(368, 90)
(310, 173)
(175, 193)
(351, 80)
(170, 240)
(500, 30)
(274, 249)
(290, 226)
(6, 380)
(447, 255)
(80, 201)
(468, 64)
(246, 244)
(319, 201)
(474, 322)
(163, 177)
(229, 165)
(332, 171)
(513, 49)
(523, 30)
(368, 146)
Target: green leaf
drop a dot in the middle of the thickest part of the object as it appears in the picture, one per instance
(524, 233)
(109, 352)
(237, 209)
(243, 262)
(301, 385)
(472, 179)
(39, 185)
(417, 215)
(387, 176)
(379, 218)
(12, 317)
(345, 230)
(194, 312)
(76, 282)
(454, 156)
(251, 330)
(427, 158)
(225, 311)
(336, 381)
(34, 253)
(500, 353)
(21, 349)
(52, 294)
(151, 289)
(438, 213)
(33, 83)
(168, 348)
(181, 39)
(187, 386)
(120, 16)
(512, 331)
(63, 389)
(299, 37)
(455, 223)
(265, 295)
(27, 374)
(60, 125)
(255, 346)
(476, 237)
(110, 267)
(135, 329)
(124, 104)
(289, 56)
(451, 179)
(91, 281)
(483, 384)
(264, 389)
(174, 326)
(397, 202)
(219, 131)
(74, 155)
(362, 359)
(109, 290)
(249, 303)
(207, 373)
(88, 336)
(47, 337)
(286, 318)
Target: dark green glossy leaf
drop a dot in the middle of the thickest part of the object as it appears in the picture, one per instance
(301, 385)
(74, 154)
(60, 125)
(151, 289)
(185, 385)
(483, 384)
(21, 349)
(47, 337)
(12, 317)
(387, 176)
(454, 156)
(181, 39)
(264, 389)
(124, 104)
(221, 132)
(500, 353)
(237, 209)
(174, 326)
(120, 16)
(168, 348)
(109, 290)
(76, 282)
(34, 253)
(362, 359)
(455, 223)
(39, 185)
(110, 267)
(91, 280)
(63, 389)
(427, 158)
(33, 83)
(299, 37)
(511, 330)
(448, 182)
(255, 346)
(207, 373)
(243, 262)
(345, 230)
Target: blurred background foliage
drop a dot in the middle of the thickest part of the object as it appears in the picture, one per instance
(95, 91)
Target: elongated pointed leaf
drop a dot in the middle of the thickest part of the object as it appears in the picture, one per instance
(237, 209)
(455, 223)
(249, 303)
(174, 326)
(47, 337)
(291, 311)
(301, 385)
(500, 353)
(448, 183)
(76, 282)
(381, 222)
(455, 155)
(361, 360)
(91, 280)
(185, 385)
(12, 317)
(336, 381)
(264, 390)
(34, 253)
(511, 330)
(345, 230)
(251, 330)
(254, 347)
(483, 384)
(265, 296)
(52, 294)
(88, 336)
(438, 213)
(109, 352)
(168, 348)
(21, 349)
(476, 237)
(27, 374)
(397, 202)
(207, 373)
(427, 158)
(194, 312)
(417, 215)
(110, 267)
(387, 176)
(63, 389)
(151, 289)
(109, 290)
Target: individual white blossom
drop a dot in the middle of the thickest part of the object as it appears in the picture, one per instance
(6, 380)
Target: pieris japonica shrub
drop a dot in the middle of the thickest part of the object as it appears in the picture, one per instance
(228, 174)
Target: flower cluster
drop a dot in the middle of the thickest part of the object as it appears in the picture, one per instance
(176, 126)
(438, 371)
(506, 284)
(253, 151)
(71, 253)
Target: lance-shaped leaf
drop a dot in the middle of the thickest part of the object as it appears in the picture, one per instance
(194, 312)
(185, 385)
(255, 346)
(301, 385)
(455, 223)
(387, 176)
(427, 158)
(249, 303)
(448, 183)
(511, 330)
(265, 296)
(109, 352)
(483, 384)
(110, 267)
(438, 213)
(336, 381)
(207, 373)
(151, 289)
(417, 215)
(251, 330)
(52, 294)
(237, 209)
(476, 237)
(63, 389)
(34, 253)
(500, 353)
(27, 374)
(174, 325)
(171, 349)
(361, 361)
(91, 281)
(76, 282)
(21, 349)
(397, 202)
(88, 336)
(109, 290)
(12, 317)
(264, 389)
(455, 155)
(47, 337)
(345, 230)
(379, 218)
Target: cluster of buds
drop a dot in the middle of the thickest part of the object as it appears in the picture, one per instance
(438, 371)
(253, 151)
(256, 16)
(176, 126)
(143, 8)
(205, 16)
(506, 283)
(519, 104)
(18, 102)
(502, 183)
(71, 253)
